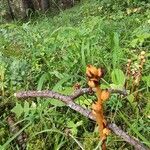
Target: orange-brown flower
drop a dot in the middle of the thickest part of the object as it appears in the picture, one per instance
(93, 73)
(105, 95)
(91, 84)
(96, 107)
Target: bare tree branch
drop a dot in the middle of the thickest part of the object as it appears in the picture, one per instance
(122, 92)
(80, 92)
(68, 100)
(44, 93)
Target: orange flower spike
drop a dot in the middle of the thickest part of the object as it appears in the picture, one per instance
(96, 107)
(91, 71)
(105, 95)
(88, 73)
(93, 76)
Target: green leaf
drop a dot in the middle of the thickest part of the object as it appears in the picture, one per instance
(59, 84)
(104, 86)
(83, 60)
(87, 102)
(132, 101)
(33, 108)
(18, 110)
(14, 136)
(131, 98)
(74, 131)
(79, 123)
(117, 52)
(114, 86)
(56, 103)
(67, 90)
(73, 126)
(42, 80)
(147, 80)
(118, 77)
(135, 130)
(1, 147)
(26, 108)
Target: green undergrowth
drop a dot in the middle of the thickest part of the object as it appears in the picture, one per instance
(53, 52)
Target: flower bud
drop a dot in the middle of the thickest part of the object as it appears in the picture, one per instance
(143, 53)
(129, 60)
(142, 57)
(91, 84)
(105, 95)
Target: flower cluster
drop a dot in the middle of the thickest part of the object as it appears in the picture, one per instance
(94, 75)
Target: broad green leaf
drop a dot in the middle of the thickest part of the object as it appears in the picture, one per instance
(72, 127)
(115, 86)
(33, 105)
(118, 77)
(18, 110)
(134, 42)
(57, 74)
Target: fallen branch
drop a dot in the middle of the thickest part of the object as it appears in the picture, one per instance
(68, 100)
(82, 91)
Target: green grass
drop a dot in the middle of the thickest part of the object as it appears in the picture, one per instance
(52, 53)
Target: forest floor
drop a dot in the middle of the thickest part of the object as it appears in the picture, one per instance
(52, 53)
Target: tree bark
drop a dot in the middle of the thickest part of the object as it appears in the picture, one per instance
(28, 7)
(10, 10)
(45, 5)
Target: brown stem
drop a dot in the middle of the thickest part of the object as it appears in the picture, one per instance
(100, 117)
